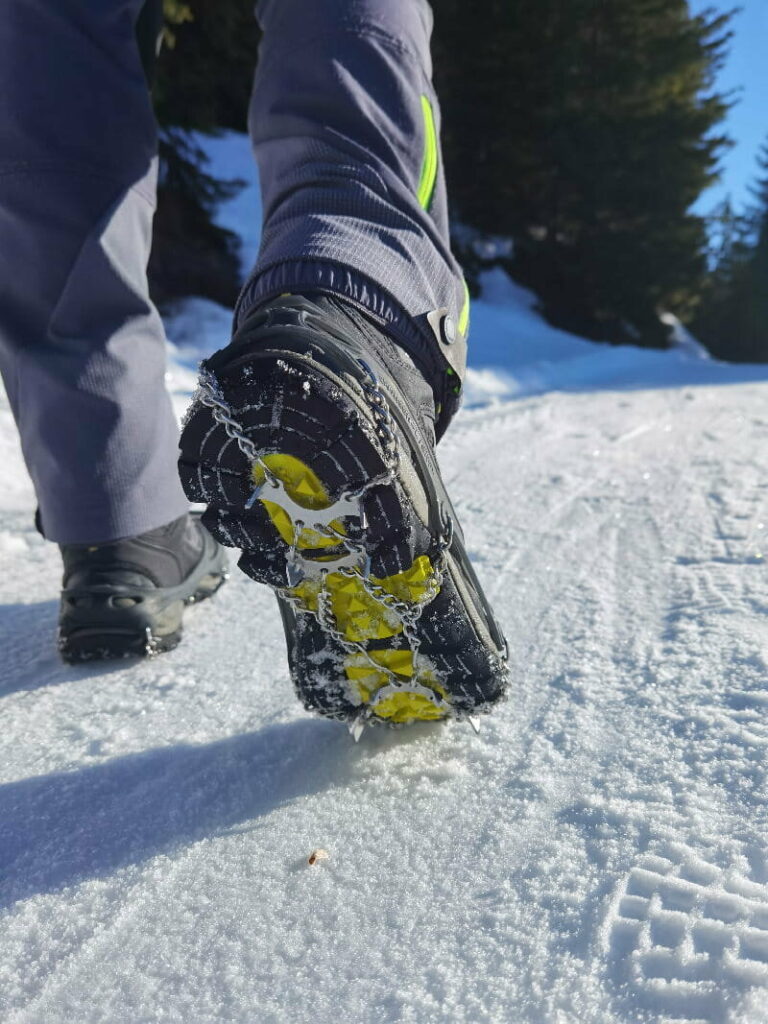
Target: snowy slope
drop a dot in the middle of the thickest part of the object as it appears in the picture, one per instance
(597, 854)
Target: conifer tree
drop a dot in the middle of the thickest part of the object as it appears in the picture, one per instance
(733, 318)
(202, 83)
(757, 310)
(583, 129)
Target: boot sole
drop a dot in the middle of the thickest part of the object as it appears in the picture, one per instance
(316, 441)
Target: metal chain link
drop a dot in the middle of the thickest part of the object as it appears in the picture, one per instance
(384, 422)
(209, 395)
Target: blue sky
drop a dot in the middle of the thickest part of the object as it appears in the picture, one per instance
(747, 71)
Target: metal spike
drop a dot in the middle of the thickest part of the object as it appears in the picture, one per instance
(150, 644)
(254, 496)
(294, 573)
(475, 724)
(357, 728)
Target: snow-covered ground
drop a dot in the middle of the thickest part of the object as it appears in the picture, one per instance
(599, 853)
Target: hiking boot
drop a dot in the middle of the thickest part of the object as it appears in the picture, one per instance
(127, 597)
(311, 440)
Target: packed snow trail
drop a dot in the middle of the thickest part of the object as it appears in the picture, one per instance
(598, 853)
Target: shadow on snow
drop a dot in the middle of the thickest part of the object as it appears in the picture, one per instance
(61, 829)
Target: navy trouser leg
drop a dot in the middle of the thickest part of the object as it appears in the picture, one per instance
(82, 349)
(345, 126)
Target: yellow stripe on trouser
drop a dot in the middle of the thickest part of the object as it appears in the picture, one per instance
(464, 315)
(429, 163)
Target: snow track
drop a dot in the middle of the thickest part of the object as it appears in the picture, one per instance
(685, 934)
(597, 854)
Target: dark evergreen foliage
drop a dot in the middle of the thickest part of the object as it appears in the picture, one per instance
(206, 67)
(190, 254)
(732, 320)
(202, 82)
(583, 130)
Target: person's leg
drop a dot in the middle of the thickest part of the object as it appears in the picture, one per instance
(81, 346)
(311, 437)
(345, 126)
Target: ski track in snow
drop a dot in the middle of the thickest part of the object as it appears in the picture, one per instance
(598, 854)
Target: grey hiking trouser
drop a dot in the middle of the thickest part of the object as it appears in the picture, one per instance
(344, 124)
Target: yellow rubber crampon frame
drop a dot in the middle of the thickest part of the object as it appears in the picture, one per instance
(358, 616)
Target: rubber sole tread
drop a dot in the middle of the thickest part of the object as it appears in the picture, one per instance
(302, 414)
